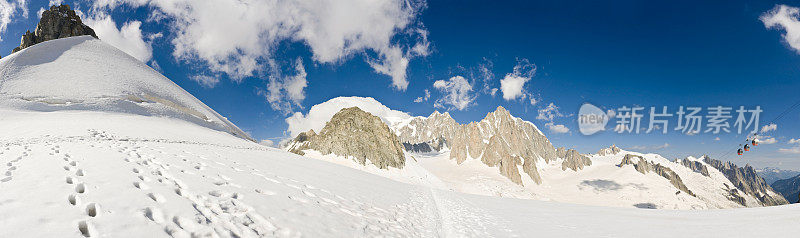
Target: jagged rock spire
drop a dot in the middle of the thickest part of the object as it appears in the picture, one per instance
(57, 22)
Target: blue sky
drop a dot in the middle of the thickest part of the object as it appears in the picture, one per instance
(624, 53)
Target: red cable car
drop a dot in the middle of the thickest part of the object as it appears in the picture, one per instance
(739, 151)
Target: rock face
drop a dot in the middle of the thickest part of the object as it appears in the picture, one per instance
(746, 180)
(789, 188)
(644, 166)
(499, 140)
(357, 134)
(609, 151)
(572, 159)
(57, 22)
(696, 166)
(425, 147)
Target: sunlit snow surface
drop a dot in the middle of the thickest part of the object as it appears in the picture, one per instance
(86, 171)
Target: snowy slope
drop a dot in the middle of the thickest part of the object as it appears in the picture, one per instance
(83, 73)
(602, 184)
(101, 167)
(71, 172)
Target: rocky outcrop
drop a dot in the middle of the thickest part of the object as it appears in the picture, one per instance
(425, 147)
(357, 134)
(644, 166)
(300, 142)
(696, 166)
(609, 151)
(499, 140)
(747, 181)
(572, 159)
(57, 22)
(788, 188)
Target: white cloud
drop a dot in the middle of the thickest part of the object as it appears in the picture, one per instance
(716, 139)
(557, 129)
(658, 147)
(236, 37)
(8, 9)
(794, 141)
(267, 143)
(457, 93)
(205, 80)
(321, 113)
(283, 93)
(513, 84)
(56, 2)
(549, 113)
(423, 98)
(786, 18)
(128, 38)
(768, 128)
(485, 73)
(766, 140)
(793, 150)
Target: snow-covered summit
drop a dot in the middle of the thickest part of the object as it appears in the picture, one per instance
(83, 73)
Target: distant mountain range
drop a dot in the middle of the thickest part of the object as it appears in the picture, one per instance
(789, 188)
(772, 174)
(505, 156)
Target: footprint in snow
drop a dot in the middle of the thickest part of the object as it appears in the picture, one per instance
(154, 214)
(265, 192)
(86, 228)
(80, 188)
(156, 197)
(73, 199)
(92, 209)
(140, 185)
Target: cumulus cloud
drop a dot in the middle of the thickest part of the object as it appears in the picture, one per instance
(8, 9)
(286, 92)
(321, 113)
(513, 84)
(549, 113)
(794, 141)
(557, 129)
(766, 140)
(56, 2)
(785, 18)
(205, 80)
(128, 38)
(457, 93)
(768, 128)
(423, 98)
(386, 33)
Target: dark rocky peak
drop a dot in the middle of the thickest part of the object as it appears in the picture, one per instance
(57, 22)
(748, 181)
